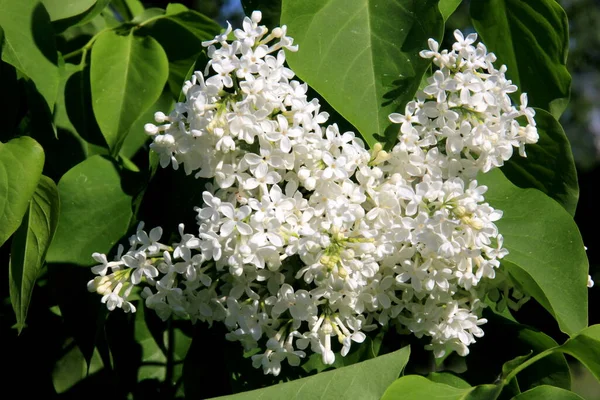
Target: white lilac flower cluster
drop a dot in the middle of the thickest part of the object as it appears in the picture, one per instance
(307, 236)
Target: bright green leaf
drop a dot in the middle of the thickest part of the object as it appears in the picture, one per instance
(135, 7)
(362, 56)
(413, 387)
(549, 165)
(546, 246)
(61, 9)
(447, 7)
(362, 381)
(532, 39)
(82, 18)
(585, 346)
(548, 393)
(21, 163)
(127, 76)
(29, 44)
(95, 211)
(367, 350)
(30, 244)
(448, 378)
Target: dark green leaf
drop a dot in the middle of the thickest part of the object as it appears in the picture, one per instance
(551, 370)
(270, 9)
(127, 76)
(549, 166)
(29, 44)
(95, 211)
(72, 367)
(83, 315)
(10, 99)
(532, 39)
(68, 148)
(78, 106)
(545, 245)
(21, 163)
(181, 25)
(486, 358)
(162, 347)
(199, 25)
(362, 381)
(30, 244)
(585, 346)
(362, 56)
(548, 393)
(510, 365)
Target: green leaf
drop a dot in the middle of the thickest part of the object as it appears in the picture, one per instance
(362, 381)
(417, 387)
(486, 357)
(135, 7)
(532, 39)
(127, 76)
(148, 14)
(447, 7)
(546, 247)
(95, 211)
(270, 9)
(78, 107)
(367, 350)
(61, 9)
(448, 378)
(76, 127)
(82, 18)
(30, 244)
(585, 346)
(137, 137)
(160, 346)
(21, 163)
(181, 25)
(549, 165)
(29, 44)
(199, 25)
(548, 393)
(510, 365)
(362, 56)
(72, 367)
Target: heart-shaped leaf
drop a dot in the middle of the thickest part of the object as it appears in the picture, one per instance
(362, 56)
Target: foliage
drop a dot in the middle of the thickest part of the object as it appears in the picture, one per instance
(81, 79)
